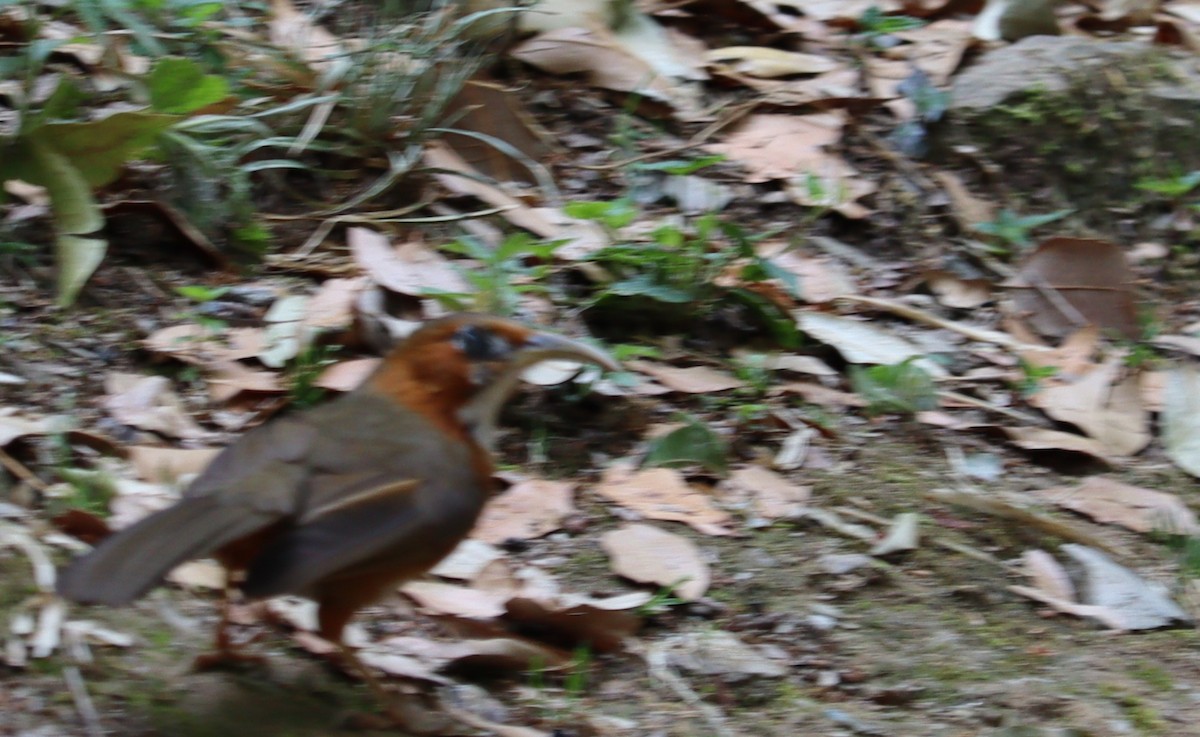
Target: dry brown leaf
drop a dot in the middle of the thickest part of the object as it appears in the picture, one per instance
(820, 395)
(952, 290)
(493, 654)
(663, 493)
(294, 31)
(468, 560)
(773, 495)
(412, 268)
(690, 380)
(1114, 502)
(230, 378)
(168, 465)
(602, 624)
(763, 61)
(202, 346)
(460, 601)
(13, 426)
(782, 146)
(1039, 438)
(1067, 283)
(1105, 403)
(1048, 574)
(612, 63)
(821, 279)
(345, 376)
(966, 208)
(1072, 358)
(199, 574)
(646, 554)
(332, 307)
(148, 403)
(527, 510)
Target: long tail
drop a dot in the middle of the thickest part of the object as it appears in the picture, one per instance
(131, 562)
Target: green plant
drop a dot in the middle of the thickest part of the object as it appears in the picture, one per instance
(694, 443)
(684, 264)
(901, 388)
(662, 600)
(517, 266)
(1032, 376)
(874, 27)
(575, 682)
(303, 371)
(1172, 188)
(1011, 231)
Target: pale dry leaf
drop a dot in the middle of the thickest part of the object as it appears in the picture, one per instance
(1187, 343)
(782, 146)
(1114, 502)
(609, 62)
(773, 496)
(647, 554)
(149, 403)
(953, 291)
(296, 32)
(13, 426)
(1042, 439)
(1105, 403)
(664, 494)
(862, 342)
(966, 208)
(230, 378)
(1153, 386)
(460, 601)
(168, 465)
(1048, 574)
(468, 560)
(201, 345)
(820, 395)
(903, 534)
(763, 61)
(1181, 418)
(411, 269)
(820, 279)
(285, 333)
(332, 307)
(798, 364)
(199, 574)
(689, 380)
(1072, 358)
(345, 376)
(527, 510)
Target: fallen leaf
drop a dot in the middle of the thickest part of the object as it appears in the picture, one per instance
(168, 465)
(956, 292)
(527, 510)
(602, 624)
(345, 376)
(902, 535)
(412, 268)
(460, 601)
(1181, 418)
(763, 61)
(467, 560)
(1113, 502)
(862, 342)
(690, 380)
(1067, 283)
(663, 493)
(148, 403)
(1039, 438)
(1103, 403)
(647, 554)
(773, 495)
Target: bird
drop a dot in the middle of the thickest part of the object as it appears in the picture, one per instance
(342, 502)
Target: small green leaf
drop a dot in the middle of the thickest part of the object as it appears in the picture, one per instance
(200, 293)
(902, 388)
(180, 86)
(694, 443)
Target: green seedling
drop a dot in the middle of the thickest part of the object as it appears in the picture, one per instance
(875, 28)
(201, 294)
(1032, 377)
(517, 266)
(692, 444)
(303, 371)
(1011, 231)
(903, 388)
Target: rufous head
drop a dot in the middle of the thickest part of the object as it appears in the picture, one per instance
(459, 370)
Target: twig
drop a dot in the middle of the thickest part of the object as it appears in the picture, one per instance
(18, 469)
(83, 702)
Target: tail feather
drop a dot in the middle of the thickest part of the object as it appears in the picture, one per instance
(134, 560)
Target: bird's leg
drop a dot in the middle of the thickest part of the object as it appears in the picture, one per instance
(226, 652)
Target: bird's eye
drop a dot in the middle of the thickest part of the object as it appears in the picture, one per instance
(480, 344)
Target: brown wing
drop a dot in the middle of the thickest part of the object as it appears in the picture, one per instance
(390, 490)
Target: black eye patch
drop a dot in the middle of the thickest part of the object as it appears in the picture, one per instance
(480, 344)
